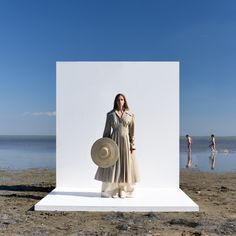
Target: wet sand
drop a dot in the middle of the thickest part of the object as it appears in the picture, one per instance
(215, 194)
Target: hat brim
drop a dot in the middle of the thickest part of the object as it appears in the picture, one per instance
(112, 156)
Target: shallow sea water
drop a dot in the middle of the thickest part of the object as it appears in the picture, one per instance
(19, 152)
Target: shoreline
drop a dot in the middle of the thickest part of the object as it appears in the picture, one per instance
(189, 170)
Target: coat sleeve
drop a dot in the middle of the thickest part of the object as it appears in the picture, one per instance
(107, 129)
(131, 133)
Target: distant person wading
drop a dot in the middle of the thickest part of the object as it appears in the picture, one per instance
(212, 145)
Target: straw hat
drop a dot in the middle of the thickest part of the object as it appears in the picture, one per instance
(105, 152)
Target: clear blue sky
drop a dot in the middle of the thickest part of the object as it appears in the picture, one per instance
(200, 34)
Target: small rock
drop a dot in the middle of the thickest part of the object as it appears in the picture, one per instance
(183, 222)
(122, 227)
(224, 189)
(150, 215)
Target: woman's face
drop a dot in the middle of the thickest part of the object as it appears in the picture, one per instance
(120, 101)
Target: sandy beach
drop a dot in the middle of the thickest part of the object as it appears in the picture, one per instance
(215, 193)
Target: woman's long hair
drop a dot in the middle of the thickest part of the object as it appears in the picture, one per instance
(125, 103)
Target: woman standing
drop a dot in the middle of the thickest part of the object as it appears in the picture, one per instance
(118, 180)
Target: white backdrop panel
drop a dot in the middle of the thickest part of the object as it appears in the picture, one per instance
(85, 92)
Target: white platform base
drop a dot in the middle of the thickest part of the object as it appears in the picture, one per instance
(144, 200)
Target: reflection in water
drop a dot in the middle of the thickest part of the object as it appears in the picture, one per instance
(212, 158)
(201, 158)
(189, 159)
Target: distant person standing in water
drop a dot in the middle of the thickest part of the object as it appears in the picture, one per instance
(212, 145)
(189, 142)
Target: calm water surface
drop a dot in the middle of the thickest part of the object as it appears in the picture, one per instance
(27, 151)
(23, 152)
(201, 158)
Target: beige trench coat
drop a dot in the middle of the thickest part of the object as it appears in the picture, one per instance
(121, 130)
